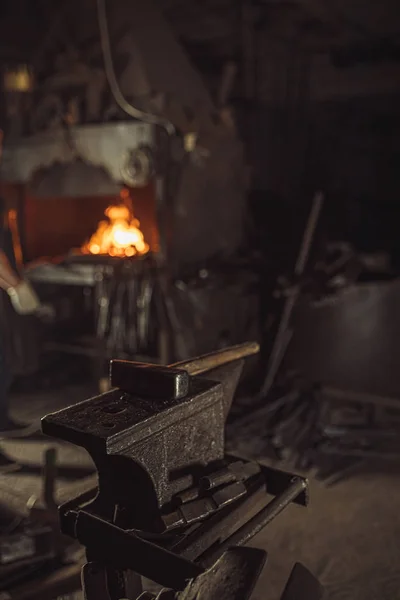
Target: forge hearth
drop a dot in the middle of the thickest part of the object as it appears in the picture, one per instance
(54, 226)
(120, 278)
(97, 271)
(191, 206)
(110, 299)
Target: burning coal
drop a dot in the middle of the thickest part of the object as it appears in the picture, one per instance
(120, 234)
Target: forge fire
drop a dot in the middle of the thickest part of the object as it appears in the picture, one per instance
(119, 234)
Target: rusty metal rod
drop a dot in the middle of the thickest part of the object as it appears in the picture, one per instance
(202, 364)
(283, 336)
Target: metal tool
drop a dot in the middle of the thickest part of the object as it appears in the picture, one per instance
(284, 334)
(170, 502)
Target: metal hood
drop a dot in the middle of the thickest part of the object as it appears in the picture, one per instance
(89, 163)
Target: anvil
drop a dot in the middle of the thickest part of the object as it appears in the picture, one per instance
(169, 501)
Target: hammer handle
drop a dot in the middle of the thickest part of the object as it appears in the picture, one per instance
(205, 363)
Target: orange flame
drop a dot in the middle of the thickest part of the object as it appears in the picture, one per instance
(120, 235)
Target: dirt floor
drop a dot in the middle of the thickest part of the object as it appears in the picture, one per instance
(349, 537)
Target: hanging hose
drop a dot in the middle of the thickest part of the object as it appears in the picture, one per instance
(112, 79)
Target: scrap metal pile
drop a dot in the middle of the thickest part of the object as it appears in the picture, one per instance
(171, 506)
(321, 429)
(309, 425)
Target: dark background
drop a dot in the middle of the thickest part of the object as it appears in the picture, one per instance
(316, 95)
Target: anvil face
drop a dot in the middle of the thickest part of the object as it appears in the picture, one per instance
(103, 423)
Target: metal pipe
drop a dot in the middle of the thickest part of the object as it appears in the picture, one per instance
(112, 79)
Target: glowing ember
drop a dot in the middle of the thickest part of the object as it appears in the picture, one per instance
(120, 235)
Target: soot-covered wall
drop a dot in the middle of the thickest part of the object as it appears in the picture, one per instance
(318, 125)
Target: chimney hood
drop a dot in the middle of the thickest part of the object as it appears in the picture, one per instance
(85, 160)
